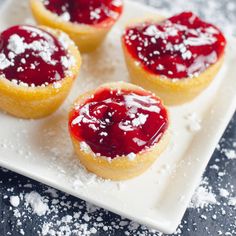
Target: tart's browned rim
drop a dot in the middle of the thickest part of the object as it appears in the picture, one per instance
(77, 27)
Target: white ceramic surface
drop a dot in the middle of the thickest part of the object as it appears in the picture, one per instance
(42, 150)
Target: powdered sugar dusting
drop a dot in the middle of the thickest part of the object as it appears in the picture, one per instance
(203, 197)
(38, 204)
(193, 122)
(131, 156)
(15, 201)
(229, 153)
(4, 62)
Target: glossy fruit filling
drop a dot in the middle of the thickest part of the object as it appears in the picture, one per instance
(31, 56)
(89, 12)
(119, 122)
(179, 47)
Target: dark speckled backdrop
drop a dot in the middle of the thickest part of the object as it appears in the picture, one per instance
(216, 220)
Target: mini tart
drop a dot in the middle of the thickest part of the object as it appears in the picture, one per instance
(176, 58)
(37, 69)
(86, 22)
(118, 130)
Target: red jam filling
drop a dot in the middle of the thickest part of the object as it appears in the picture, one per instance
(89, 12)
(31, 56)
(119, 122)
(179, 47)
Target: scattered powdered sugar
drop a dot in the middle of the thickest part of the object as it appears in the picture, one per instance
(61, 216)
(86, 219)
(83, 179)
(230, 153)
(131, 156)
(64, 40)
(15, 201)
(65, 16)
(140, 120)
(223, 204)
(85, 147)
(4, 62)
(193, 122)
(17, 46)
(39, 206)
(224, 193)
(203, 196)
(57, 85)
(67, 62)
(232, 201)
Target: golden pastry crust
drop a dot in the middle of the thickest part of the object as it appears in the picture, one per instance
(172, 92)
(119, 168)
(38, 102)
(86, 37)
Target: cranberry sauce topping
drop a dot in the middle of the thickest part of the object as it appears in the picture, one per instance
(89, 12)
(179, 47)
(119, 122)
(31, 56)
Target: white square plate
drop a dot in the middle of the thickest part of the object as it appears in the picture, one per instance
(42, 149)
